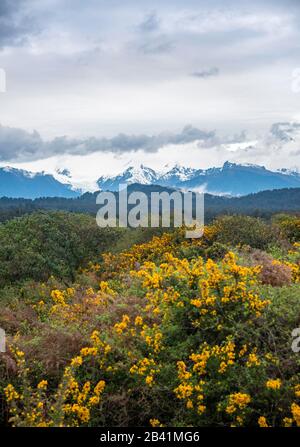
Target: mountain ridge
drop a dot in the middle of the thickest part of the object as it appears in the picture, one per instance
(230, 179)
(16, 183)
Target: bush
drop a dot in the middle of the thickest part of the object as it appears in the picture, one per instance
(289, 225)
(50, 243)
(245, 230)
(272, 272)
(158, 335)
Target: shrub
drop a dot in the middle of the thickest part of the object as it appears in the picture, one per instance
(165, 340)
(245, 230)
(272, 272)
(49, 243)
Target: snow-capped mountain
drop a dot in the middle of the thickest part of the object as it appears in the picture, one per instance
(232, 179)
(20, 183)
(177, 175)
(141, 174)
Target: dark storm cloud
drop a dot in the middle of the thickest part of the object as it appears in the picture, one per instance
(19, 145)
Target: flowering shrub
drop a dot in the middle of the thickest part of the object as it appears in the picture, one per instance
(166, 337)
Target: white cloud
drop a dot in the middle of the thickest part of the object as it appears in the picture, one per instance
(102, 68)
(272, 151)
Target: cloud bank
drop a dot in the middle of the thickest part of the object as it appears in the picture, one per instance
(17, 145)
(103, 67)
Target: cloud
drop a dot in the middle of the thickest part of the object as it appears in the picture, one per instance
(17, 145)
(284, 131)
(214, 71)
(150, 23)
(156, 45)
(15, 23)
(140, 70)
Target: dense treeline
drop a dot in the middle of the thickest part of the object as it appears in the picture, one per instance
(262, 204)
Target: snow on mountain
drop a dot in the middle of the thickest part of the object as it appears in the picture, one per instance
(140, 174)
(231, 178)
(30, 185)
(286, 171)
(178, 173)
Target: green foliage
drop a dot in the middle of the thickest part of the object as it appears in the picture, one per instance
(289, 225)
(187, 331)
(245, 230)
(49, 243)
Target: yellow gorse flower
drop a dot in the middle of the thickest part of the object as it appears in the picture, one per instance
(262, 421)
(273, 384)
(42, 385)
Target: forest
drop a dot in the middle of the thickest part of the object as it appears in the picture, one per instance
(262, 204)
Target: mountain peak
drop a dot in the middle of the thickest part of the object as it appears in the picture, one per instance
(17, 183)
(230, 165)
(133, 174)
(230, 179)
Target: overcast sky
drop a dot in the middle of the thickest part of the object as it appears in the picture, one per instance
(79, 73)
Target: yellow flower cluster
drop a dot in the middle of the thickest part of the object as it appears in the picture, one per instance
(295, 409)
(59, 297)
(262, 422)
(104, 288)
(153, 337)
(10, 393)
(155, 423)
(253, 359)
(273, 384)
(213, 286)
(225, 355)
(297, 390)
(83, 399)
(146, 368)
(42, 385)
(72, 305)
(71, 404)
(114, 265)
(237, 401)
(120, 327)
(213, 361)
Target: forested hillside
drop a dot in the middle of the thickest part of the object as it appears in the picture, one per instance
(262, 204)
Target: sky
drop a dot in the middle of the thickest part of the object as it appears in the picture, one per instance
(97, 85)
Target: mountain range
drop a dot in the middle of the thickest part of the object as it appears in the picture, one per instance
(230, 179)
(20, 183)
